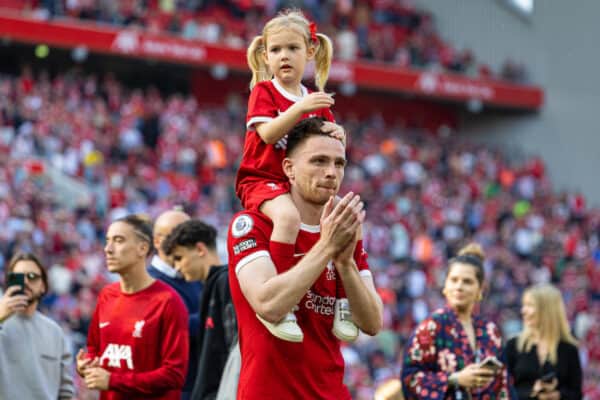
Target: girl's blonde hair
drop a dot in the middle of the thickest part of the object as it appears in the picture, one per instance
(552, 320)
(290, 19)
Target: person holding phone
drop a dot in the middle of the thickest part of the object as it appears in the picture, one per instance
(453, 353)
(543, 360)
(35, 358)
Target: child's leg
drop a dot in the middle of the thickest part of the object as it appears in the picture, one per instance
(286, 224)
(340, 293)
(343, 327)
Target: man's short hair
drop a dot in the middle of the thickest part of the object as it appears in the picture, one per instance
(188, 233)
(302, 131)
(142, 226)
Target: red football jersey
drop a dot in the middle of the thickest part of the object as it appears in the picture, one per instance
(142, 339)
(262, 161)
(273, 368)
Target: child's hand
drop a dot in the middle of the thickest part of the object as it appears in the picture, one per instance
(315, 101)
(334, 130)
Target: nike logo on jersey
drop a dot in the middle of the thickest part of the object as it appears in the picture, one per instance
(103, 324)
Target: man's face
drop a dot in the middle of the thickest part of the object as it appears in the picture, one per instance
(188, 261)
(316, 168)
(164, 225)
(123, 247)
(34, 285)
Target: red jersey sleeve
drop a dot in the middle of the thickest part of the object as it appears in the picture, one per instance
(174, 350)
(360, 257)
(93, 341)
(327, 114)
(261, 106)
(248, 239)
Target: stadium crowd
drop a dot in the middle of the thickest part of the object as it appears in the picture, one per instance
(78, 150)
(394, 32)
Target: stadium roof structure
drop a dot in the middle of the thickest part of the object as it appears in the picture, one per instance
(374, 76)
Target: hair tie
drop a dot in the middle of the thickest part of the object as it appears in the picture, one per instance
(313, 32)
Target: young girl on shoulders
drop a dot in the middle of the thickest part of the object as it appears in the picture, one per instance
(278, 100)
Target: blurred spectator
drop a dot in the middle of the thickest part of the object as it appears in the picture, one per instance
(445, 353)
(394, 32)
(544, 360)
(36, 360)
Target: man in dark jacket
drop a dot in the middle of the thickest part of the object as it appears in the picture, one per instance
(160, 268)
(192, 248)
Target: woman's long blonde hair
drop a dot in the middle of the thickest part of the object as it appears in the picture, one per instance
(552, 321)
(290, 19)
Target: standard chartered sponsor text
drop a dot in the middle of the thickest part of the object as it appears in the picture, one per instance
(323, 305)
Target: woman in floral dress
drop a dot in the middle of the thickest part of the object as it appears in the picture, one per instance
(443, 358)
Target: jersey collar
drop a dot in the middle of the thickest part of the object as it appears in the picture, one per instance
(310, 228)
(288, 95)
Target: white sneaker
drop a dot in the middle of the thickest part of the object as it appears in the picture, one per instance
(343, 326)
(286, 329)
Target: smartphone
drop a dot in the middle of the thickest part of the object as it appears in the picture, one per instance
(549, 377)
(492, 363)
(16, 279)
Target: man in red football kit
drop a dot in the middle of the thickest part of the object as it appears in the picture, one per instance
(329, 253)
(138, 337)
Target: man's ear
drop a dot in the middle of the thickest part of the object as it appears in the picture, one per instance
(144, 247)
(288, 168)
(156, 241)
(201, 249)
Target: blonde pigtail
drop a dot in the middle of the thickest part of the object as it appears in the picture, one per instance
(256, 62)
(323, 57)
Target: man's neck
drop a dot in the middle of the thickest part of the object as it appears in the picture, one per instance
(30, 310)
(135, 279)
(214, 261)
(310, 213)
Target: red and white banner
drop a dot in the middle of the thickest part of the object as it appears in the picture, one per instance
(134, 43)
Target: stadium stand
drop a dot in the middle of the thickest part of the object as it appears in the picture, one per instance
(392, 32)
(78, 149)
